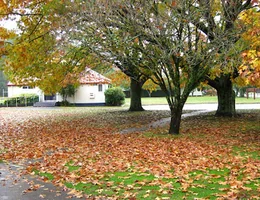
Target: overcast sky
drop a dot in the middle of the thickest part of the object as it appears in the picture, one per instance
(9, 24)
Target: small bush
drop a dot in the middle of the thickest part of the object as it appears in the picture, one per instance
(114, 97)
(63, 103)
(23, 100)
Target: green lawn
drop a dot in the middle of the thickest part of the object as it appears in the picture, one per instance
(196, 100)
(203, 99)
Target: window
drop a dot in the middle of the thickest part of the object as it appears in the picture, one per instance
(50, 97)
(27, 87)
(100, 88)
(91, 96)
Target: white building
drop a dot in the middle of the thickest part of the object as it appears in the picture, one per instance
(18, 90)
(90, 92)
(196, 92)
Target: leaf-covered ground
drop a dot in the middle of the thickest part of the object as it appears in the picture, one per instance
(213, 158)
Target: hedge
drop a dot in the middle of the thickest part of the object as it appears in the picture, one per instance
(24, 100)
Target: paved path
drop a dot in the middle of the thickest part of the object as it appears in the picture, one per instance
(197, 108)
(162, 122)
(210, 107)
(15, 186)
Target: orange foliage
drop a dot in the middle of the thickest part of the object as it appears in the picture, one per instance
(118, 78)
(250, 69)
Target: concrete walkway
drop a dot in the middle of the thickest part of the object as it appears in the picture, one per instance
(198, 109)
(162, 122)
(209, 107)
(15, 186)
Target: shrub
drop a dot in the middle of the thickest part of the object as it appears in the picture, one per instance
(68, 91)
(114, 97)
(23, 100)
(63, 103)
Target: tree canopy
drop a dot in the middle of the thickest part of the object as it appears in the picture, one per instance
(221, 22)
(66, 33)
(250, 68)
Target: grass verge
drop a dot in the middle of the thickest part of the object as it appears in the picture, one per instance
(192, 100)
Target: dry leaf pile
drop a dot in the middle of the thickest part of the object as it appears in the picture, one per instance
(50, 139)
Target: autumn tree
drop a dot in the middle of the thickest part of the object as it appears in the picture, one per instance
(142, 38)
(118, 78)
(171, 51)
(186, 42)
(5, 37)
(3, 82)
(67, 29)
(150, 87)
(250, 67)
(177, 43)
(40, 54)
(122, 56)
(101, 21)
(68, 91)
(220, 21)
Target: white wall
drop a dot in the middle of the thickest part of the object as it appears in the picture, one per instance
(14, 91)
(196, 92)
(85, 93)
(89, 94)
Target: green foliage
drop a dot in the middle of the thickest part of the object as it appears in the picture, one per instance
(3, 82)
(63, 103)
(24, 100)
(68, 91)
(114, 96)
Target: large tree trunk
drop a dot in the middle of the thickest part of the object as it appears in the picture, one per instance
(135, 93)
(226, 102)
(226, 96)
(175, 124)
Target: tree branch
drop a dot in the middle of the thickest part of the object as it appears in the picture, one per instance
(35, 27)
(20, 14)
(246, 5)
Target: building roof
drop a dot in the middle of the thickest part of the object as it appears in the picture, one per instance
(88, 76)
(15, 84)
(11, 84)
